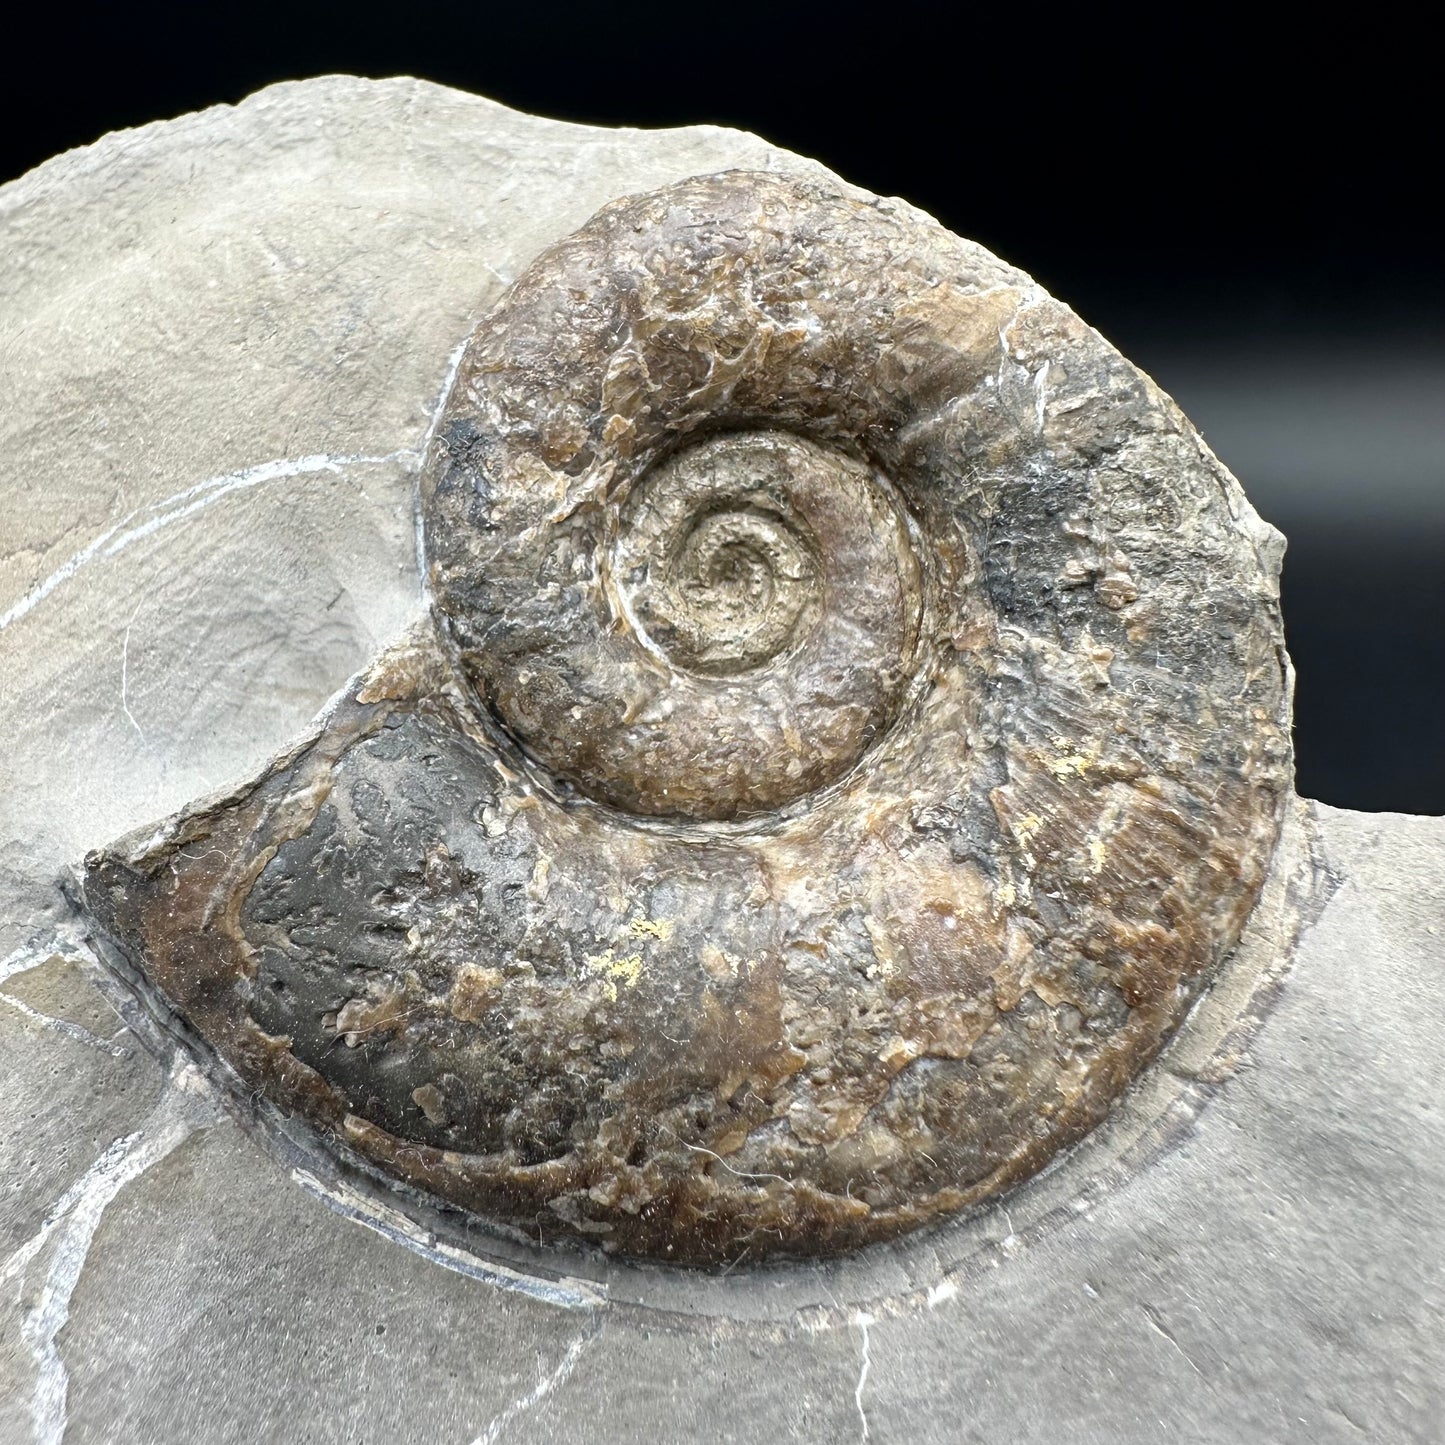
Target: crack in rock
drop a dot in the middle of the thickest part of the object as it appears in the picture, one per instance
(543, 1388)
(32, 956)
(862, 1322)
(187, 1104)
(186, 503)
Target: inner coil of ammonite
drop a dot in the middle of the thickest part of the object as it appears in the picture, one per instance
(741, 624)
(854, 732)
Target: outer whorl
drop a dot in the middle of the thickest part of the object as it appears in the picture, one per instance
(852, 731)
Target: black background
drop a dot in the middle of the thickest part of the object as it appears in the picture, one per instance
(1245, 207)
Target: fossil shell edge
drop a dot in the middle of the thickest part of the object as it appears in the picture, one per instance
(732, 871)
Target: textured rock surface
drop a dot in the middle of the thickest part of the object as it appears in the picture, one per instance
(185, 587)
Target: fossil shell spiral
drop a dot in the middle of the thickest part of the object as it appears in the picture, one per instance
(851, 731)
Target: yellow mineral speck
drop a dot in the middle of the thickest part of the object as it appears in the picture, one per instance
(1024, 831)
(617, 970)
(659, 928)
(1071, 764)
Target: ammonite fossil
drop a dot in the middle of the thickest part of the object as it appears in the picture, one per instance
(851, 729)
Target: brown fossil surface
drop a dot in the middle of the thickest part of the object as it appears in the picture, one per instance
(852, 730)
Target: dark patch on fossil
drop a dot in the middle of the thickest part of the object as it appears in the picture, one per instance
(855, 731)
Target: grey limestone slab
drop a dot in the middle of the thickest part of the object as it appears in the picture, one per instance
(222, 342)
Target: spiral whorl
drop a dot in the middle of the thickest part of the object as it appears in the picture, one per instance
(672, 566)
(854, 733)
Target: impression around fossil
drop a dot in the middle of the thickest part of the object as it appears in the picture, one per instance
(850, 731)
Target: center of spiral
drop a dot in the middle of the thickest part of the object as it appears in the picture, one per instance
(734, 590)
(732, 632)
(774, 578)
